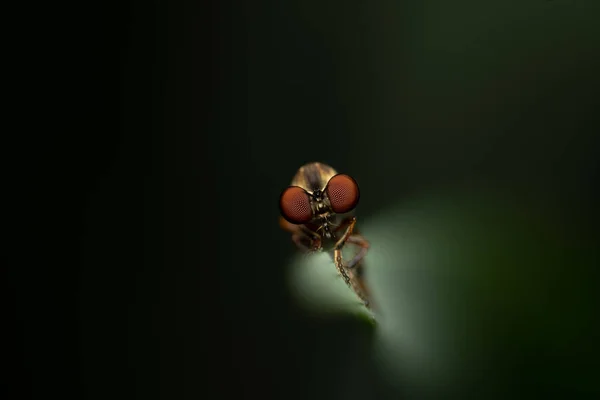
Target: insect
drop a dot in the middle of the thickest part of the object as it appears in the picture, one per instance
(318, 209)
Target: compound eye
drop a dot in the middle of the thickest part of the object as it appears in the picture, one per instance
(343, 193)
(295, 205)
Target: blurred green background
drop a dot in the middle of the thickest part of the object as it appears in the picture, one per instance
(470, 126)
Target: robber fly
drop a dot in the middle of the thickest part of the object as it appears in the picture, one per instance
(317, 208)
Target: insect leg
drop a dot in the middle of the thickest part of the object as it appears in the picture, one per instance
(340, 243)
(354, 238)
(364, 248)
(301, 235)
(339, 265)
(337, 251)
(350, 279)
(299, 239)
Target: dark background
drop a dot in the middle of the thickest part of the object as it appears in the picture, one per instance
(151, 263)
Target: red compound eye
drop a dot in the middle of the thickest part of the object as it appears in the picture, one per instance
(343, 193)
(295, 205)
